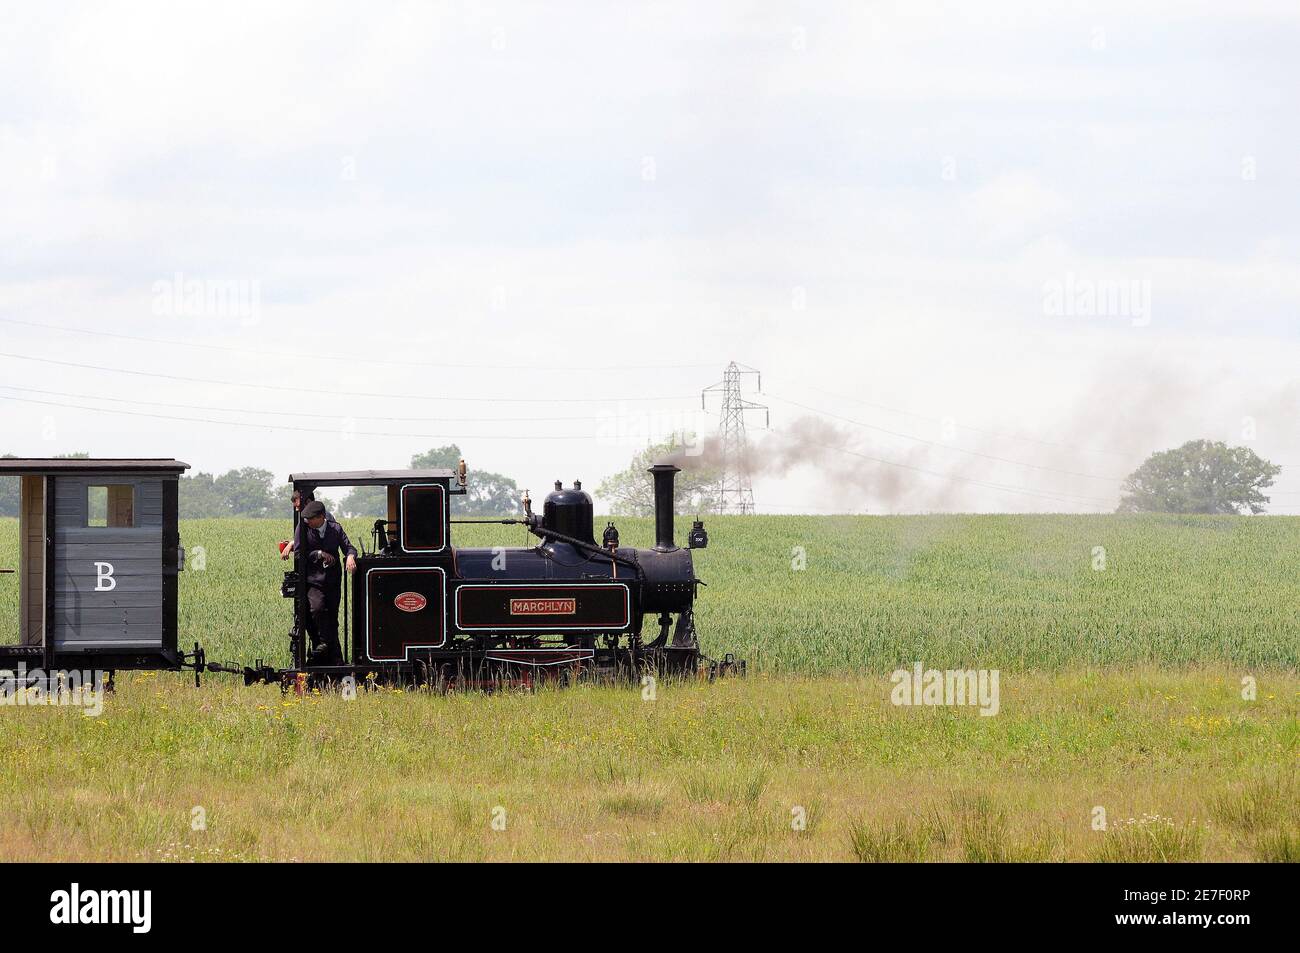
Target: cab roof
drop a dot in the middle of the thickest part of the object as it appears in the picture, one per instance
(372, 477)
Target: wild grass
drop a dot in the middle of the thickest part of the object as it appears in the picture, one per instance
(964, 826)
(724, 784)
(634, 804)
(766, 768)
(1277, 847)
(1151, 838)
(904, 840)
(1269, 801)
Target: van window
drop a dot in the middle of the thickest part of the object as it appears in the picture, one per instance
(111, 506)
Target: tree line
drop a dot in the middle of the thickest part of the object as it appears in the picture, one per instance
(1201, 476)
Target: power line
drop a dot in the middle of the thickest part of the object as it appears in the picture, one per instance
(987, 433)
(779, 510)
(936, 443)
(1060, 497)
(336, 431)
(333, 393)
(349, 359)
(299, 413)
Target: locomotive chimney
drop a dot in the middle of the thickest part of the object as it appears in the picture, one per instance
(664, 475)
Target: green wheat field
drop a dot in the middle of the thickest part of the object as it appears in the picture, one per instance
(1125, 645)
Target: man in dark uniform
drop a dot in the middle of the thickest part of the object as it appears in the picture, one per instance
(319, 541)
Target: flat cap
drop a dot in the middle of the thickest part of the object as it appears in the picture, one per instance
(313, 509)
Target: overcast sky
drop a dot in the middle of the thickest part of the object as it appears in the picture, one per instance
(1000, 251)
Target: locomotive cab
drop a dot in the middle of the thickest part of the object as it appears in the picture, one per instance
(396, 600)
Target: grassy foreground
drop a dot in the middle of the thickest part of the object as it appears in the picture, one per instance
(1122, 643)
(1183, 767)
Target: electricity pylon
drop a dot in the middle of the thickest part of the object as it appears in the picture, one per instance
(736, 494)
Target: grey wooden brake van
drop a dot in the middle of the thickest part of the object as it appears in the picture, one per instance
(98, 558)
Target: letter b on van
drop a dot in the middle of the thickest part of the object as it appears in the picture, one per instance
(104, 581)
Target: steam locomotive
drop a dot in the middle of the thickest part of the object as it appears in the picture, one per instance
(419, 609)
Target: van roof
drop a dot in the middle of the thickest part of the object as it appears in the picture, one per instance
(37, 465)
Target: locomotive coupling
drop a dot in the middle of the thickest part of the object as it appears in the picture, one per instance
(197, 660)
(253, 675)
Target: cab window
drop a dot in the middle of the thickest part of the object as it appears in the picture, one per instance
(424, 517)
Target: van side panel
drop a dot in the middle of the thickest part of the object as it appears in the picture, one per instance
(108, 580)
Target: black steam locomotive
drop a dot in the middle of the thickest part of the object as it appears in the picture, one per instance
(423, 611)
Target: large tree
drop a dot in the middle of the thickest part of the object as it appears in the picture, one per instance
(631, 492)
(486, 493)
(250, 491)
(200, 498)
(1199, 477)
